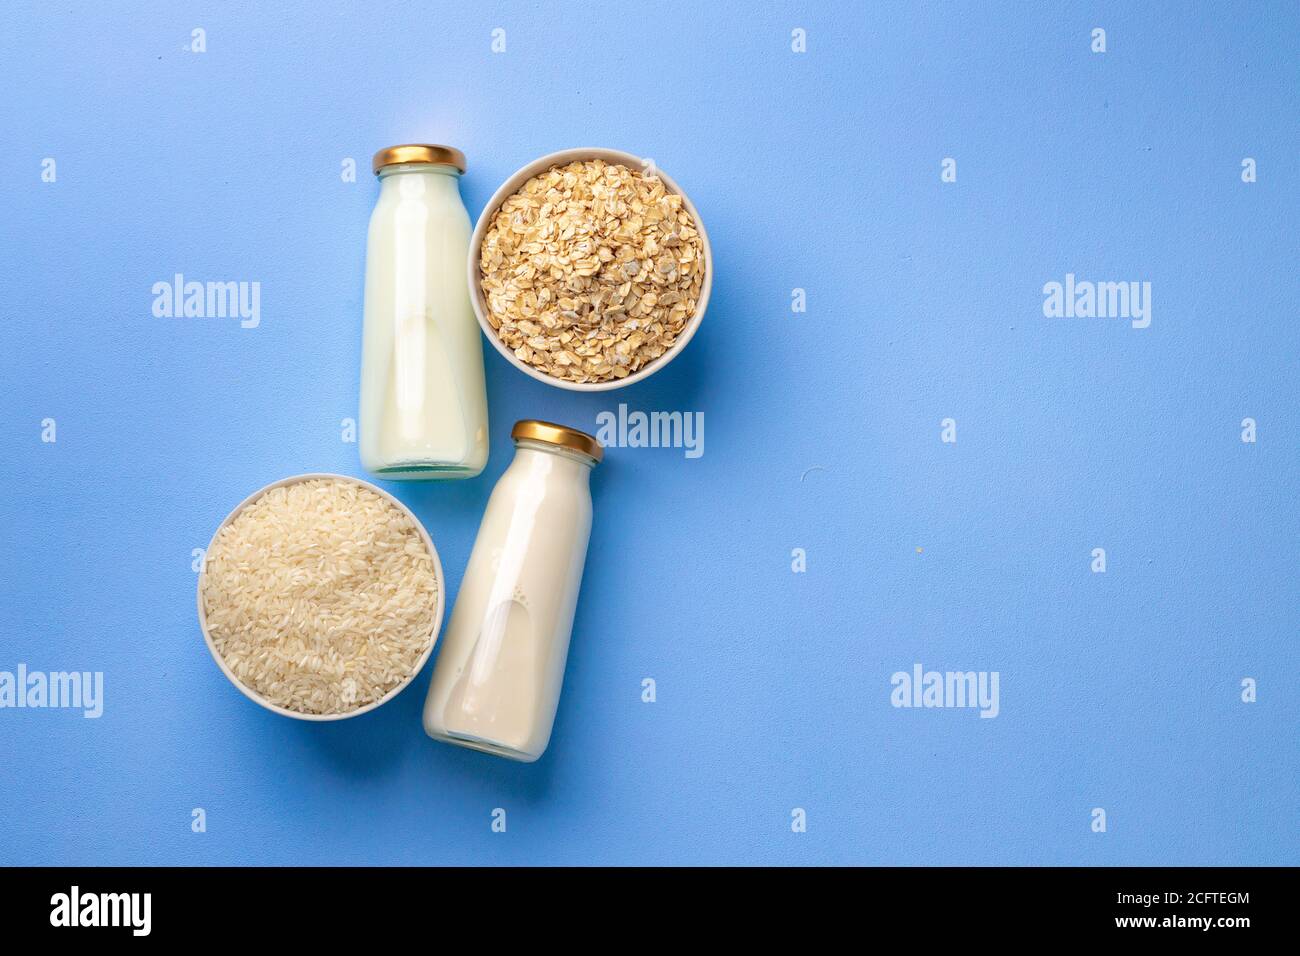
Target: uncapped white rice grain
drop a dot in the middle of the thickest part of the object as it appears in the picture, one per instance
(320, 596)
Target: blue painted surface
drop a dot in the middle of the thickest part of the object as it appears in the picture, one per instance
(818, 171)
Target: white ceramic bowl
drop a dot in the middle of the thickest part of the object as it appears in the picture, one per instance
(511, 186)
(437, 614)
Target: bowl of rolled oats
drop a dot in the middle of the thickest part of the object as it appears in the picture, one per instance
(590, 269)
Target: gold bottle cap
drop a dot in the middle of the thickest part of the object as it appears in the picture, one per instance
(419, 153)
(560, 435)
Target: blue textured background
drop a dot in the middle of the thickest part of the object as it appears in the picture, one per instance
(819, 171)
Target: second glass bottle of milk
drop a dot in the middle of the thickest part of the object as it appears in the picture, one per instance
(423, 399)
(497, 682)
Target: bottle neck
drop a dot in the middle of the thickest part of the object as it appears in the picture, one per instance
(416, 179)
(535, 454)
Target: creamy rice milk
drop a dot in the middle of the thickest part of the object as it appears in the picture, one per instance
(497, 682)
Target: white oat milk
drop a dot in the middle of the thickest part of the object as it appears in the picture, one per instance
(423, 400)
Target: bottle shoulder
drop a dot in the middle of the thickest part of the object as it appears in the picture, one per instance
(448, 208)
(545, 482)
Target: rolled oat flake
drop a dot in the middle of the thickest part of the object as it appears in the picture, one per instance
(591, 271)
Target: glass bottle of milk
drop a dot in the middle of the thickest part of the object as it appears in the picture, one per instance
(497, 682)
(423, 400)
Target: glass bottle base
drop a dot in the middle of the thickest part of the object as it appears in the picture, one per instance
(486, 746)
(425, 471)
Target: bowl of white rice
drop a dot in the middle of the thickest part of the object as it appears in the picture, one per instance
(321, 597)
